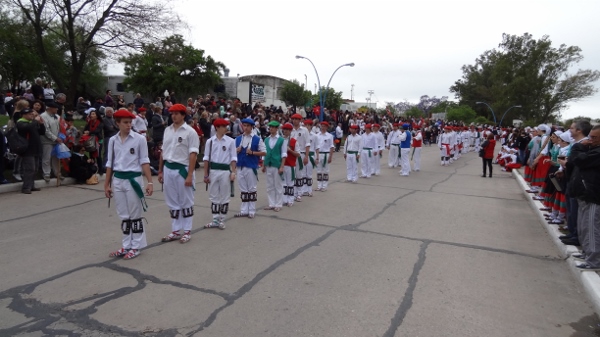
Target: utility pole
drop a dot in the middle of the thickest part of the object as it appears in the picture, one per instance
(371, 92)
(352, 93)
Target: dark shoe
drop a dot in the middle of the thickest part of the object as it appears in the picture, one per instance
(36, 189)
(571, 242)
(564, 237)
(490, 175)
(483, 176)
(4, 181)
(26, 191)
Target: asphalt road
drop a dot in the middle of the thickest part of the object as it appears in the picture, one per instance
(442, 252)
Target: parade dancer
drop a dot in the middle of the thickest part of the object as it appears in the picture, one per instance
(380, 141)
(417, 144)
(477, 135)
(176, 172)
(368, 144)
(220, 169)
(249, 148)
(302, 137)
(405, 140)
(127, 160)
(444, 145)
(393, 144)
(352, 154)
(466, 140)
(308, 168)
(324, 150)
(289, 169)
(273, 166)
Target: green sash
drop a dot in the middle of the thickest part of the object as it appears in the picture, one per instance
(311, 157)
(128, 175)
(368, 149)
(325, 159)
(179, 167)
(354, 153)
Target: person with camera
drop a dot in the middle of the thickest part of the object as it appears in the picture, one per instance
(30, 127)
(488, 153)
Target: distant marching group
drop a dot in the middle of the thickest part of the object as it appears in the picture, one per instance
(457, 140)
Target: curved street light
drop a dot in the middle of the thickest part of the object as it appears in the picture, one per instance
(492, 110)
(321, 95)
(505, 112)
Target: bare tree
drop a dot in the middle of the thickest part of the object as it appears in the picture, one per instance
(88, 26)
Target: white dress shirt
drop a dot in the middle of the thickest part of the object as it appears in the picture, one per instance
(179, 144)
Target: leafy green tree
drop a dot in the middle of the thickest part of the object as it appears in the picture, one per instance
(528, 72)
(333, 99)
(173, 65)
(463, 113)
(570, 121)
(414, 112)
(87, 27)
(18, 58)
(293, 93)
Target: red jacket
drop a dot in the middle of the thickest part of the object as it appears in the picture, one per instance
(488, 151)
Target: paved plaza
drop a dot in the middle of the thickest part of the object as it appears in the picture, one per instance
(442, 252)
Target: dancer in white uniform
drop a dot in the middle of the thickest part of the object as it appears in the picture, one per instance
(417, 144)
(302, 137)
(324, 150)
(273, 166)
(250, 148)
(405, 140)
(393, 144)
(376, 169)
(352, 147)
(176, 172)
(289, 169)
(220, 157)
(368, 144)
(127, 159)
(444, 144)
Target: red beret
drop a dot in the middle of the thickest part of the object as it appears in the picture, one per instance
(218, 121)
(368, 126)
(287, 126)
(324, 123)
(354, 126)
(142, 109)
(376, 125)
(308, 121)
(395, 124)
(296, 116)
(123, 113)
(178, 107)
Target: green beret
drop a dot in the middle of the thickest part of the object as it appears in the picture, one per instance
(274, 123)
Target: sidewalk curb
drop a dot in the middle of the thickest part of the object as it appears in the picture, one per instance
(16, 187)
(590, 280)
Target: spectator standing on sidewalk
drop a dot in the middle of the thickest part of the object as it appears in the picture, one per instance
(586, 188)
(30, 128)
(49, 139)
(488, 153)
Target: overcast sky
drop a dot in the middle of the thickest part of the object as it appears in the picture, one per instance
(402, 49)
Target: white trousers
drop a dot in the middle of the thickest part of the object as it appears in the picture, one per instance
(300, 175)
(219, 193)
(274, 187)
(366, 162)
(417, 159)
(308, 174)
(405, 161)
(247, 182)
(376, 169)
(393, 160)
(180, 199)
(289, 193)
(129, 207)
(49, 163)
(351, 167)
(323, 170)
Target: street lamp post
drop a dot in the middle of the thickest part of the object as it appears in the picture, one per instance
(492, 110)
(321, 95)
(514, 106)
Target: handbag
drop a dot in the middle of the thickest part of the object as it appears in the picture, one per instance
(93, 180)
(90, 144)
(481, 153)
(556, 182)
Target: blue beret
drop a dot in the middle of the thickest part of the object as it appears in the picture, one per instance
(406, 126)
(248, 121)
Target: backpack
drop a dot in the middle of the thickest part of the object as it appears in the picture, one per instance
(16, 143)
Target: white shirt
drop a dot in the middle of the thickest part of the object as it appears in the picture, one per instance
(140, 124)
(368, 140)
(393, 138)
(247, 141)
(302, 137)
(312, 143)
(338, 132)
(380, 140)
(179, 144)
(221, 151)
(129, 155)
(325, 142)
(352, 143)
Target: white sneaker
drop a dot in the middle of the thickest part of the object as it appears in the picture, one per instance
(17, 177)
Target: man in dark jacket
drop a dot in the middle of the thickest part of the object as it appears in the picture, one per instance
(586, 188)
(30, 128)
